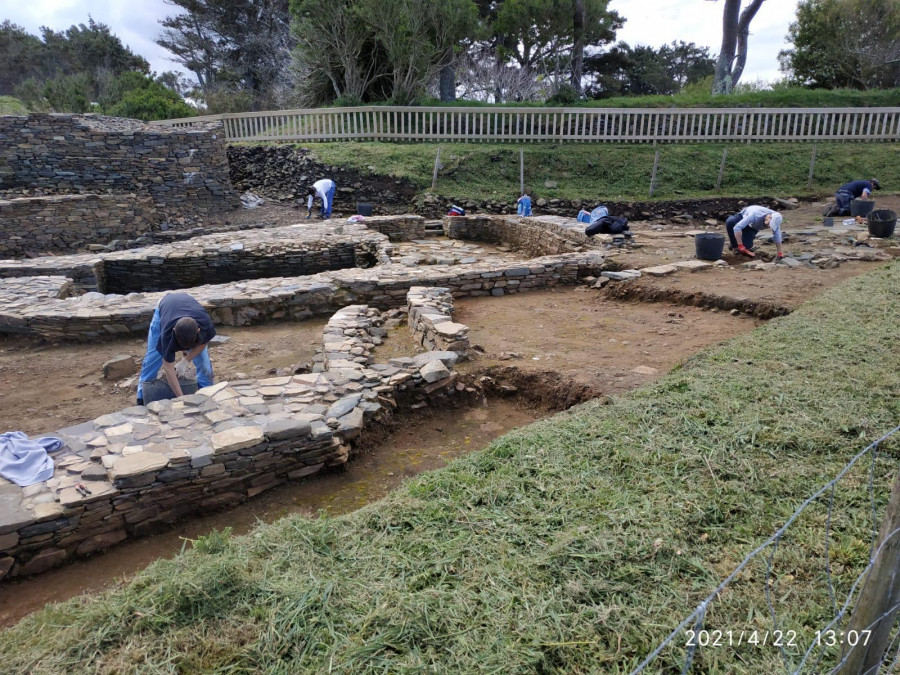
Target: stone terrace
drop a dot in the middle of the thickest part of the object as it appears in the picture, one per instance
(291, 250)
(128, 473)
(93, 316)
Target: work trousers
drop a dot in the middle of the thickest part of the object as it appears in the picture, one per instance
(153, 360)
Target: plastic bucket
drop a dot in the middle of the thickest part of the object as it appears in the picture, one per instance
(709, 245)
(861, 207)
(363, 209)
(882, 223)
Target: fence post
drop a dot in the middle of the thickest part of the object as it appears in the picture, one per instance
(521, 171)
(653, 175)
(721, 169)
(875, 609)
(437, 164)
(812, 168)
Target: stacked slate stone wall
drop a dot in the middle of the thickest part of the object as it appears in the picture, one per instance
(68, 223)
(539, 236)
(397, 228)
(182, 173)
(95, 316)
(130, 473)
(429, 311)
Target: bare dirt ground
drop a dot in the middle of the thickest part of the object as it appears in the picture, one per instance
(44, 387)
(529, 344)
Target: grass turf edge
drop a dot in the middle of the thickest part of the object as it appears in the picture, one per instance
(572, 545)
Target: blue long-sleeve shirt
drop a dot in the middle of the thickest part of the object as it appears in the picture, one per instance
(755, 217)
(857, 188)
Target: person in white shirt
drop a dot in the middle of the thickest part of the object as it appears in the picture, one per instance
(747, 225)
(324, 190)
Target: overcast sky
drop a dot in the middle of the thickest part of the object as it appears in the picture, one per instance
(649, 22)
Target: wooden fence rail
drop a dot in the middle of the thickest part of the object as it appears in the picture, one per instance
(524, 125)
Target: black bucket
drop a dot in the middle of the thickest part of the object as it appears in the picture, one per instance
(861, 207)
(709, 245)
(363, 209)
(882, 223)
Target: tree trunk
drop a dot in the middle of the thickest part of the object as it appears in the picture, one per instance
(578, 46)
(448, 78)
(743, 35)
(722, 81)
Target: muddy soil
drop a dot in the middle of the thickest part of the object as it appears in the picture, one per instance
(422, 442)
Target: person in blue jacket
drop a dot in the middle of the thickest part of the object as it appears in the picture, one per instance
(855, 189)
(179, 324)
(523, 204)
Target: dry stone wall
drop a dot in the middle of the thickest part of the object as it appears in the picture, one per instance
(129, 473)
(179, 176)
(430, 322)
(96, 316)
(536, 236)
(71, 222)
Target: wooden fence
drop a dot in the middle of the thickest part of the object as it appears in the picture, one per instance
(525, 125)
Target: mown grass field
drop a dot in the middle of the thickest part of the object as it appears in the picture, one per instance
(573, 545)
(616, 172)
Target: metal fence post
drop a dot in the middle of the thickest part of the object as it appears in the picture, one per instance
(812, 168)
(437, 165)
(521, 171)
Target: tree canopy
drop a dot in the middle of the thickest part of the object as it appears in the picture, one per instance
(85, 68)
(844, 44)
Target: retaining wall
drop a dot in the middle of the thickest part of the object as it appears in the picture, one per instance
(68, 223)
(130, 473)
(536, 236)
(182, 173)
(95, 316)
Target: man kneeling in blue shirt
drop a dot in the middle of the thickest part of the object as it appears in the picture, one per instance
(179, 324)
(747, 225)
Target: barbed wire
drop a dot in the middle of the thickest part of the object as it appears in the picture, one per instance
(698, 616)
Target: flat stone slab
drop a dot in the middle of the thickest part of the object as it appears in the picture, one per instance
(692, 265)
(659, 270)
(624, 275)
(434, 371)
(136, 464)
(239, 438)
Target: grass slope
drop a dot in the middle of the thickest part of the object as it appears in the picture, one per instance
(569, 546)
(10, 105)
(609, 172)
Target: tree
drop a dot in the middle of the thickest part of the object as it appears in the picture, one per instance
(844, 43)
(641, 71)
(240, 44)
(20, 56)
(549, 36)
(735, 38)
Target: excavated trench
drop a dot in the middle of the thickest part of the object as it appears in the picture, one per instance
(639, 292)
(408, 444)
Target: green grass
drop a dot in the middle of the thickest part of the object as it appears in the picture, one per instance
(573, 545)
(599, 172)
(10, 105)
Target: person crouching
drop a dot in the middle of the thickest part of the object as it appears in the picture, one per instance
(747, 224)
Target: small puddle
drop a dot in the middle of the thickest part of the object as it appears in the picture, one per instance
(427, 441)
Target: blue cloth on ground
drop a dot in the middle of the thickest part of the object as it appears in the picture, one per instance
(25, 461)
(524, 206)
(584, 216)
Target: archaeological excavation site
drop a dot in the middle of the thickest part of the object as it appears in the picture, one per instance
(352, 353)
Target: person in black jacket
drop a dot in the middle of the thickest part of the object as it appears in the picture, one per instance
(855, 189)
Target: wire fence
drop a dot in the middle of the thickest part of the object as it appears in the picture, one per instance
(822, 648)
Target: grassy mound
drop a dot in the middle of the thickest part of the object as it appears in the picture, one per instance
(616, 172)
(9, 105)
(573, 545)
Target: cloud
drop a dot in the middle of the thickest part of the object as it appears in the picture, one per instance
(658, 22)
(136, 22)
